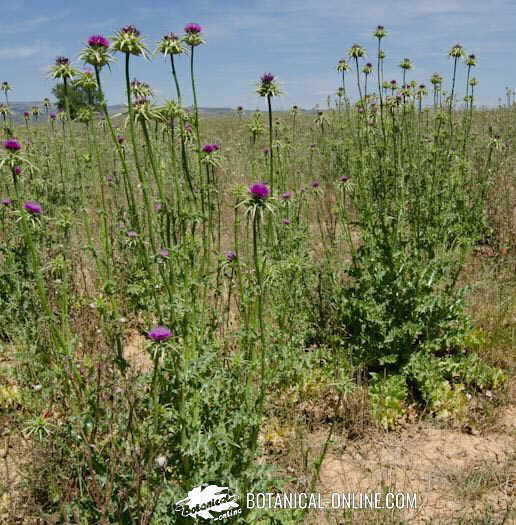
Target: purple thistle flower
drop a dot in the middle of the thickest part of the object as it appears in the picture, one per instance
(286, 196)
(120, 139)
(130, 30)
(6, 202)
(52, 116)
(312, 146)
(208, 148)
(17, 170)
(164, 252)
(193, 29)
(132, 234)
(12, 145)
(315, 184)
(286, 221)
(265, 151)
(109, 178)
(171, 36)
(267, 78)
(98, 41)
(344, 178)
(33, 207)
(62, 61)
(26, 114)
(159, 333)
(259, 191)
(240, 108)
(230, 256)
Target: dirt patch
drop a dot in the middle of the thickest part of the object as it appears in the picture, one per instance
(136, 353)
(455, 475)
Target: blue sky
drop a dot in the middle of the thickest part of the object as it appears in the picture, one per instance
(299, 41)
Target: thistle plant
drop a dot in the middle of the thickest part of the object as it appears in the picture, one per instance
(343, 67)
(405, 65)
(62, 69)
(470, 61)
(436, 80)
(366, 70)
(5, 87)
(380, 33)
(456, 52)
(268, 88)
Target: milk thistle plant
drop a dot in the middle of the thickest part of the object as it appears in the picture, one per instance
(343, 68)
(357, 52)
(5, 87)
(63, 69)
(268, 88)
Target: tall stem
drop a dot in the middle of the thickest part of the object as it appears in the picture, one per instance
(271, 154)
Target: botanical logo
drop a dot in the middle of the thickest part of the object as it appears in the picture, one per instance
(210, 502)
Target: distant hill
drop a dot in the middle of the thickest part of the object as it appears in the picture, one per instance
(19, 108)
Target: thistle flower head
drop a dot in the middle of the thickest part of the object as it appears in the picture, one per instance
(46, 103)
(132, 234)
(33, 207)
(344, 178)
(367, 69)
(267, 87)
(193, 35)
(406, 64)
(98, 41)
(12, 145)
(130, 30)
(86, 80)
(457, 51)
(193, 28)
(96, 52)
(380, 32)
(164, 253)
(286, 196)
(170, 44)
(436, 79)
(230, 256)
(471, 60)
(159, 333)
(17, 170)
(240, 109)
(342, 65)
(356, 51)
(6, 202)
(127, 40)
(210, 148)
(26, 115)
(141, 89)
(286, 222)
(315, 184)
(259, 191)
(62, 68)
(52, 116)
